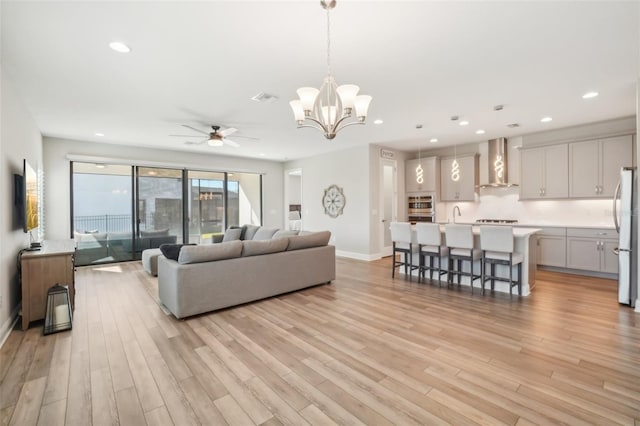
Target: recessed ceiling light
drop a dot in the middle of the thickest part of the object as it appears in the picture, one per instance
(378, 121)
(100, 134)
(479, 132)
(119, 47)
(590, 95)
(546, 119)
(434, 140)
(100, 166)
(262, 154)
(464, 123)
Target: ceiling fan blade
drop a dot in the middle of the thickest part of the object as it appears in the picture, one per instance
(195, 143)
(227, 132)
(194, 129)
(186, 136)
(230, 143)
(247, 137)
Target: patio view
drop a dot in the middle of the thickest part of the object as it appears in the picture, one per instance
(107, 228)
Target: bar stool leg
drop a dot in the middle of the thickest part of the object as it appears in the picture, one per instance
(471, 276)
(493, 274)
(393, 268)
(482, 270)
(510, 279)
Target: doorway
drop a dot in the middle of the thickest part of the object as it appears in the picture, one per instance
(388, 203)
(293, 199)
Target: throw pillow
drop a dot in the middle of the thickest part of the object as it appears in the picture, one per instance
(264, 233)
(250, 231)
(284, 234)
(209, 252)
(172, 251)
(316, 239)
(232, 234)
(256, 248)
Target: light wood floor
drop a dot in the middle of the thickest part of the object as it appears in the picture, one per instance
(364, 350)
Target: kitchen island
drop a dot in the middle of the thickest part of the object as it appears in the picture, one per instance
(523, 243)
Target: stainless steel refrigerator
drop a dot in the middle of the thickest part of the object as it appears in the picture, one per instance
(625, 217)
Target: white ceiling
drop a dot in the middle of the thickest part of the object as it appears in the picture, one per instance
(199, 63)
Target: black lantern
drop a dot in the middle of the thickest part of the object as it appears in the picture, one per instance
(59, 314)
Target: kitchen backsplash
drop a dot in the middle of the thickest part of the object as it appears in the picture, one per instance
(502, 203)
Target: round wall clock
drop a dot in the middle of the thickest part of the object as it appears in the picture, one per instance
(333, 201)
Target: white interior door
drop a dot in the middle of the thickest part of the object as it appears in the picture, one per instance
(388, 203)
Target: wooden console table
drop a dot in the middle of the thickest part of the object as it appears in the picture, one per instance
(42, 269)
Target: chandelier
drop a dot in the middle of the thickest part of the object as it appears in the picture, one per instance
(330, 108)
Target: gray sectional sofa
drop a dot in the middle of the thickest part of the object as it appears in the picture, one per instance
(214, 276)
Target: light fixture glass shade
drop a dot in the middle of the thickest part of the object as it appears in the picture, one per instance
(362, 106)
(215, 142)
(298, 111)
(347, 93)
(308, 97)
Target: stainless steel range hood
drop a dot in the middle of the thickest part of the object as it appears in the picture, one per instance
(498, 165)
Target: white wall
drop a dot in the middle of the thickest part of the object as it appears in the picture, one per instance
(350, 170)
(57, 165)
(19, 139)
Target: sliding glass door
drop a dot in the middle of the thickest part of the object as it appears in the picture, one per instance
(206, 206)
(159, 212)
(101, 212)
(118, 211)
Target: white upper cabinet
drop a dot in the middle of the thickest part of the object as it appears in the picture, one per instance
(429, 175)
(543, 172)
(594, 166)
(464, 188)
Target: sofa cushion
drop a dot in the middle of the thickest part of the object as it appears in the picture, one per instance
(155, 233)
(250, 231)
(258, 247)
(209, 252)
(232, 234)
(172, 251)
(264, 233)
(284, 234)
(315, 239)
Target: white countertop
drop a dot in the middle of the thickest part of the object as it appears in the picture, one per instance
(520, 231)
(545, 224)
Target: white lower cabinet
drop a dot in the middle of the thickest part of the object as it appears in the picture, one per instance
(552, 247)
(592, 249)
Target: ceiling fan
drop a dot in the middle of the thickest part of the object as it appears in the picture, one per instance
(215, 138)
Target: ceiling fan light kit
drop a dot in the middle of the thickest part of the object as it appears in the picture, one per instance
(330, 108)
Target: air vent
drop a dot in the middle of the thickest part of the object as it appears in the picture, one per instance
(513, 125)
(265, 97)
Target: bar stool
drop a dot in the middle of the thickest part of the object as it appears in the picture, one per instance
(497, 247)
(430, 245)
(404, 242)
(459, 240)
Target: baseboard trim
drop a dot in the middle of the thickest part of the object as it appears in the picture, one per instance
(594, 274)
(6, 330)
(358, 256)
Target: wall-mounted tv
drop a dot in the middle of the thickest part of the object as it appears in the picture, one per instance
(30, 197)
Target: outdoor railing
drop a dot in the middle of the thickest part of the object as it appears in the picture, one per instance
(109, 223)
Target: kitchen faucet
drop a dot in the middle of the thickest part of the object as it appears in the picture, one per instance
(454, 213)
